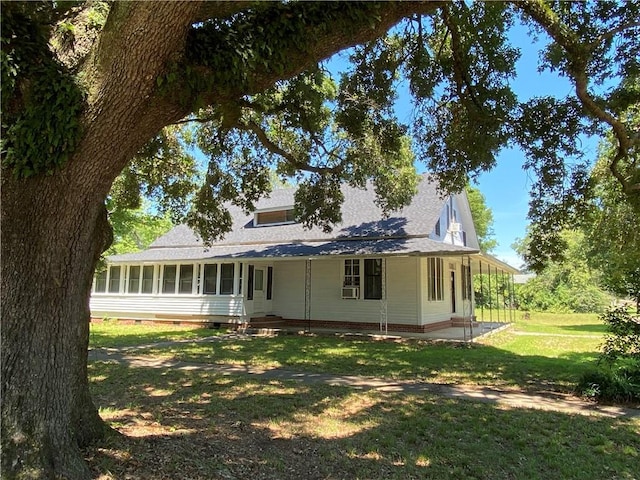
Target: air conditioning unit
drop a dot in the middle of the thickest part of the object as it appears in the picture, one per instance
(455, 227)
(350, 292)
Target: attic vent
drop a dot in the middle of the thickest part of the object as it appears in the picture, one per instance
(455, 227)
(274, 217)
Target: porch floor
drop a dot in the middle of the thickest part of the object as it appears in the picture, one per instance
(452, 334)
(465, 333)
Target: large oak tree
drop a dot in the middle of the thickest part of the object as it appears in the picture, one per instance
(89, 87)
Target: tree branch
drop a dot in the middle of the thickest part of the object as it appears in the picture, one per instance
(291, 159)
(578, 54)
(610, 33)
(323, 38)
(460, 75)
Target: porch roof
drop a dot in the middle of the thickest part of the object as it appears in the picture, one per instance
(415, 246)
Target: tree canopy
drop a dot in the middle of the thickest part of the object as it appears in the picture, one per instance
(611, 225)
(92, 90)
(566, 285)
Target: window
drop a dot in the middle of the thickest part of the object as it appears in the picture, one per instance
(226, 279)
(185, 284)
(448, 216)
(134, 279)
(210, 279)
(435, 267)
(100, 283)
(269, 283)
(466, 282)
(438, 228)
(259, 279)
(373, 278)
(114, 279)
(351, 273)
(250, 283)
(147, 279)
(169, 278)
(275, 217)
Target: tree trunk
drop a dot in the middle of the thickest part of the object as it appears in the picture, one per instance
(53, 231)
(53, 227)
(49, 250)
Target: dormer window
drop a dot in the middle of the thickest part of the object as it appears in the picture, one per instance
(280, 216)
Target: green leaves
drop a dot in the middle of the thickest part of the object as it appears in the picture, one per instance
(460, 68)
(457, 63)
(41, 101)
(482, 219)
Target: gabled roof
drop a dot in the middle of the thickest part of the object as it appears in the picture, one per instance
(363, 231)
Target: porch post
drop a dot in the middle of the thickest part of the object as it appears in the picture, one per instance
(481, 292)
(512, 294)
(467, 292)
(307, 293)
(504, 300)
(497, 296)
(490, 296)
(384, 326)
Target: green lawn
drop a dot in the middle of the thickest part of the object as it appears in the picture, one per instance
(205, 425)
(114, 334)
(562, 324)
(518, 357)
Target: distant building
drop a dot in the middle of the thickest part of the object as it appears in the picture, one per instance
(523, 278)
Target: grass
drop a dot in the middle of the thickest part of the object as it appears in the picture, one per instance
(552, 359)
(199, 424)
(561, 324)
(204, 425)
(115, 335)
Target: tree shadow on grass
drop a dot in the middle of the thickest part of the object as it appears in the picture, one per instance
(590, 328)
(402, 360)
(203, 425)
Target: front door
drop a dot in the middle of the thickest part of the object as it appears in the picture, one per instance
(453, 292)
(258, 290)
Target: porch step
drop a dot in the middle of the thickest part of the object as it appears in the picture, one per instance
(464, 322)
(267, 325)
(268, 321)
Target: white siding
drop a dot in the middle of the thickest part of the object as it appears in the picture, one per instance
(159, 306)
(456, 208)
(288, 289)
(403, 290)
(438, 311)
(326, 298)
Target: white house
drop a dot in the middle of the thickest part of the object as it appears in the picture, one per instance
(409, 272)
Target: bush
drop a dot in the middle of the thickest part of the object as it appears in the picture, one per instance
(612, 385)
(623, 338)
(618, 379)
(539, 294)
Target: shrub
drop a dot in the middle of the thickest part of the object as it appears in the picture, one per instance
(623, 338)
(618, 379)
(612, 385)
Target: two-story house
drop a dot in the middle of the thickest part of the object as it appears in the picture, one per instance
(409, 272)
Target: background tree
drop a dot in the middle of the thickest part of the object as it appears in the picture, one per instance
(135, 230)
(613, 237)
(88, 87)
(565, 285)
(482, 219)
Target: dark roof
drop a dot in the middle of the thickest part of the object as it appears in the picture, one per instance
(364, 230)
(364, 247)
